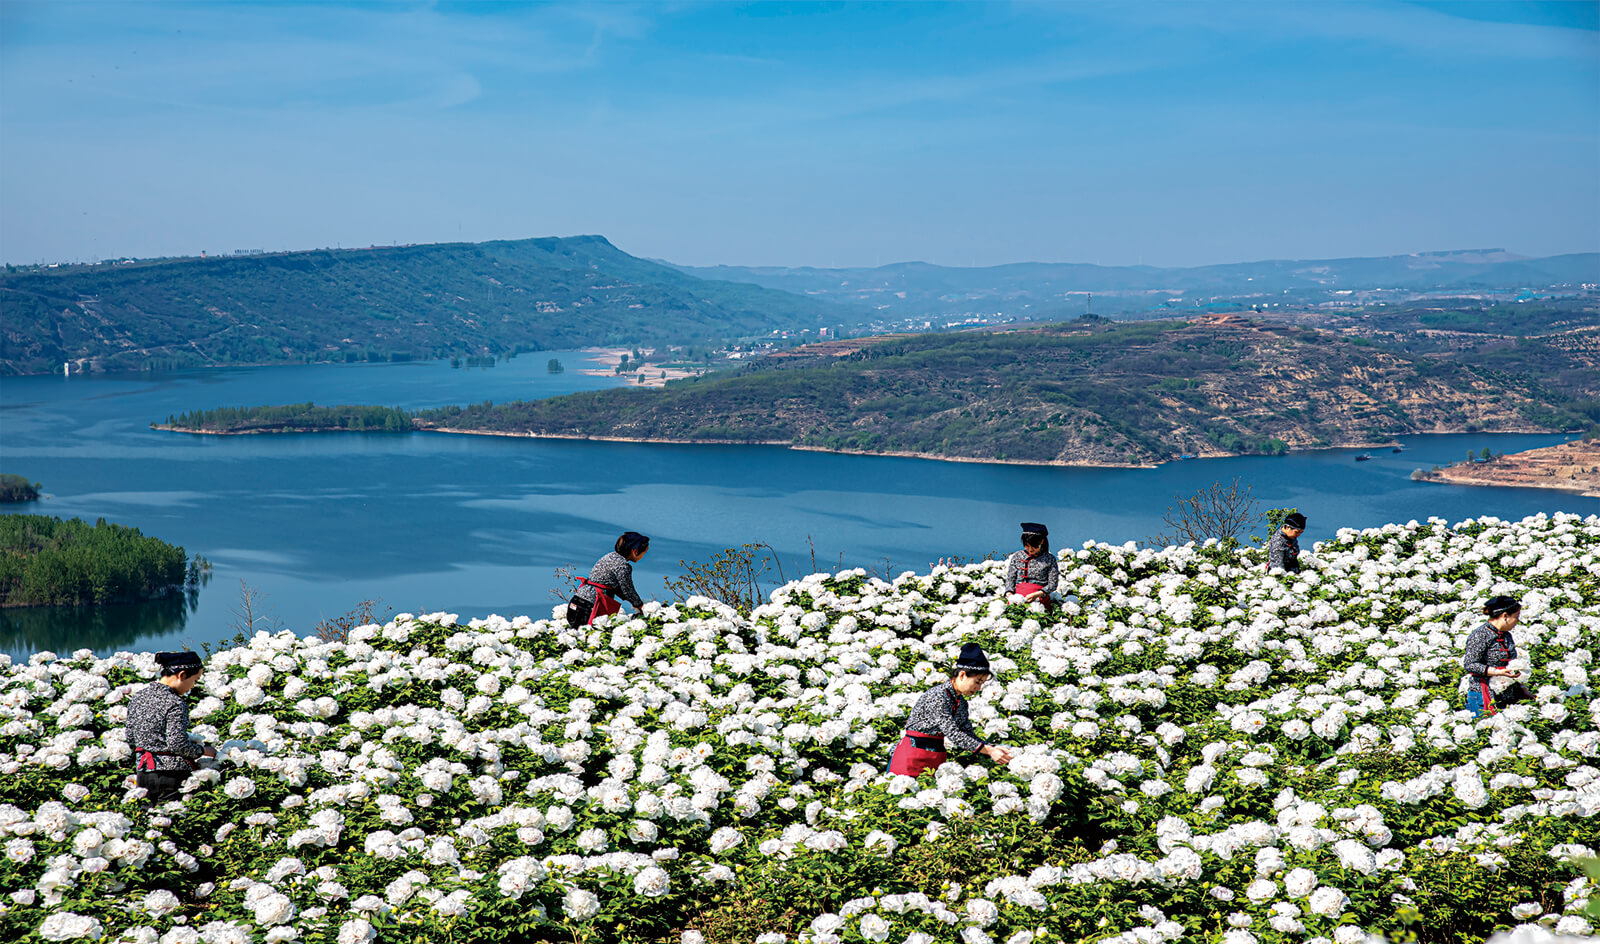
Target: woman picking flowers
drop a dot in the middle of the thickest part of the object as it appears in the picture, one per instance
(610, 578)
(158, 727)
(1489, 650)
(941, 715)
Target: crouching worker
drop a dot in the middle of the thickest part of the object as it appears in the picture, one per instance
(610, 582)
(158, 728)
(940, 717)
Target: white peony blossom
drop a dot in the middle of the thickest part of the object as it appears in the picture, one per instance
(652, 882)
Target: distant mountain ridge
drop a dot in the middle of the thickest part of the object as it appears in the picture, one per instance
(434, 300)
(507, 296)
(1010, 287)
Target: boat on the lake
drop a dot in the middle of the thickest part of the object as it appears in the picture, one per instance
(1363, 458)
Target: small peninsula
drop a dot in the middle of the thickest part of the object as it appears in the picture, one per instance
(1085, 392)
(15, 489)
(1568, 467)
(48, 561)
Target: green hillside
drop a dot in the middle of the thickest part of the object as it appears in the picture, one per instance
(382, 303)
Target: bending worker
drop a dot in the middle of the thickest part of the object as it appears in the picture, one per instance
(940, 716)
(611, 578)
(1033, 571)
(1283, 551)
(158, 727)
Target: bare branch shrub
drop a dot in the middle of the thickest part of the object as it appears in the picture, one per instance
(1216, 511)
(568, 579)
(250, 615)
(812, 547)
(337, 629)
(733, 575)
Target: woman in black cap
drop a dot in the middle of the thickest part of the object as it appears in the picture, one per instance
(1033, 571)
(610, 578)
(158, 727)
(1283, 551)
(1489, 650)
(940, 715)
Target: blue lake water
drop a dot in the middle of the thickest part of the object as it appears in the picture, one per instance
(316, 523)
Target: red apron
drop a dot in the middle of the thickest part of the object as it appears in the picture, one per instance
(604, 605)
(147, 760)
(1483, 680)
(917, 752)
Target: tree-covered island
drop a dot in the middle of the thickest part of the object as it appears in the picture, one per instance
(293, 418)
(47, 561)
(16, 488)
(1086, 392)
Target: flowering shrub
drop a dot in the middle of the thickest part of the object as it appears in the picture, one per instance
(1206, 752)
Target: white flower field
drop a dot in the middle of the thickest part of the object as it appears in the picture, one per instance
(1207, 752)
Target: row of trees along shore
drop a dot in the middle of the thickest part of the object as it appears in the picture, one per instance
(294, 416)
(48, 561)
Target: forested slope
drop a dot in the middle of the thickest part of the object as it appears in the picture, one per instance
(381, 303)
(48, 561)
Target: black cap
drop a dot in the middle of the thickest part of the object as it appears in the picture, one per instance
(972, 659)
(178, 660)
(1034, 527)
(1502, 604)
(1294, 520)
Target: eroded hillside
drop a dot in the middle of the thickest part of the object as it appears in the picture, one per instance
(1079, 393)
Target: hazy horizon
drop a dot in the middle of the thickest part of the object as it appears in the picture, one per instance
(1164, 134)
(888, 264)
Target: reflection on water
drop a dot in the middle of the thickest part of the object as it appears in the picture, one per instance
(104, 629)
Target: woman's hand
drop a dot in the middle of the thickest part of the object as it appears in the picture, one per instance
(996, 753)
(1035, 595)
(209, 752)
(1505, 672)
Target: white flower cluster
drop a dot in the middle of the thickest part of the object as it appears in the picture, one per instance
(1202, 748)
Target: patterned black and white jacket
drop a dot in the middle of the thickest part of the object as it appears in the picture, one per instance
(158, 720)
(1283, 552)
(1487, 648)
(1041, 569)
(616, 572)
(940, 711)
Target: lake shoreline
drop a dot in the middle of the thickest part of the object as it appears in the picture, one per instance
(197, 431)
(1565, 467)
(610, 358)
(797, 447)
(898, 454)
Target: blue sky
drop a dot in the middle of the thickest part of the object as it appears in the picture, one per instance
(803, 134)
